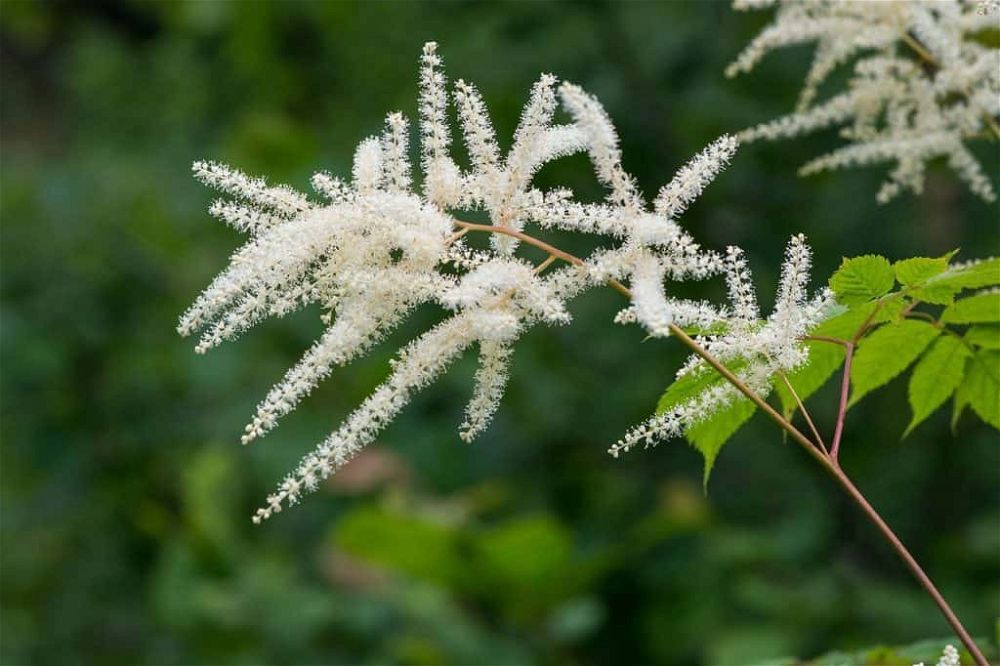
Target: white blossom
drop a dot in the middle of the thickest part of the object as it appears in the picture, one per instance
(754, 350)
(921, 88)
(374, 249)
(950, 657)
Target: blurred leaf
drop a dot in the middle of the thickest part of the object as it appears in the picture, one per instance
(402, 543)
(527, 563)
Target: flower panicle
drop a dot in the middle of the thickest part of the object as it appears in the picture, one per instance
(922, 86)
(373, 248)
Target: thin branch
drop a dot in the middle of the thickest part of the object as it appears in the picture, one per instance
(541, 245)
(829, 463)
(805, 412)
(910, 562)
(823, 338)
(545, 264)
(845, 387)
(455, 236)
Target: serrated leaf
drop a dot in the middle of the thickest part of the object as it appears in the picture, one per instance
(862, 279)
(981, 387)
(937, 294)
(935, 377)
(978, 308)
(824, 359)
(887, 352)
(987, 337)
(917, 270)
(709, 435)
(980, 274)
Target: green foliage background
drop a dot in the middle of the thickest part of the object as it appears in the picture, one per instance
(125, 495)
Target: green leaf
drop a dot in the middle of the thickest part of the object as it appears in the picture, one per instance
(887, 352)
(917, 270)
(527, 560)
(958, 406)
(935, 293)
(981, 388)
(824, 359)
(692, 384)
(980, 274)
(987, 337)
(709, 435)
(935, 377)
(941, 289)
(978, 308)
(862, 279)
(846, 324)
(401, 542)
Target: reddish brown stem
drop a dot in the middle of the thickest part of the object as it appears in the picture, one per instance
(911, 563)
(828, 462)
(845, 387)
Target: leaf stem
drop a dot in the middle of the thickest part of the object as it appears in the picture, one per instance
(828, 462)
(845, 387)
(805, 412)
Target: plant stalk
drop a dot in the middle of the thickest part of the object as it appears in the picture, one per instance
(829, 462)
(833, 467)
(845, 387)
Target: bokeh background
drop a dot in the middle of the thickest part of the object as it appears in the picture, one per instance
(126, 497)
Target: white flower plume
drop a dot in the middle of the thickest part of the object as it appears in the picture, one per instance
(923, 85)
(754, 349)
(371, 250)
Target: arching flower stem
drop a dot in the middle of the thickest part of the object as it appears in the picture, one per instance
(828, 461)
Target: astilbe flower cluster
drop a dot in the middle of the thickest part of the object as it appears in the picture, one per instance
(377, 247)
(923, 84)
(949, 657)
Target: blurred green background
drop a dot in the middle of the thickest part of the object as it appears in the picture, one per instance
(126, 497)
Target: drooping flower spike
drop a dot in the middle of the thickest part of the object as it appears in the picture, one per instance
(371, 250)
(924, 85)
